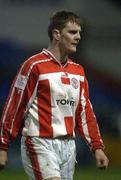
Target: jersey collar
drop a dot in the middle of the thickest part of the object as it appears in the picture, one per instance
(47, 52)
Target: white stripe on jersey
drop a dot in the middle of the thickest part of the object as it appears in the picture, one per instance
(46, 76)
(83, 118)
(31, 127)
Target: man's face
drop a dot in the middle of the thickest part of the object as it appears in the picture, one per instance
(69, 37)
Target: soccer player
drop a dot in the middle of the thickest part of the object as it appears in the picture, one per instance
(49, 99)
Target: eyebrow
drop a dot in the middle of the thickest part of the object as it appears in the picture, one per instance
(74, 31)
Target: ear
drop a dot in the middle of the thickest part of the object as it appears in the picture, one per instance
(56, 34)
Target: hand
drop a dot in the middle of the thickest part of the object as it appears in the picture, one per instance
(3, 158)
(101, 159)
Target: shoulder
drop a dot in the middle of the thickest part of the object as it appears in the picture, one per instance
(79, 68)
(33, 61)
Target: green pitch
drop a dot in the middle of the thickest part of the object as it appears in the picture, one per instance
(80, 174)
(96, 174)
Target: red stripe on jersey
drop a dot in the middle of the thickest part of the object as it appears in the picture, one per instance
(65, 80)
(33, 158)
(44, 108)
(69, 125)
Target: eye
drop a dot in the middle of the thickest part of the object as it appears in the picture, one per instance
(72, 32)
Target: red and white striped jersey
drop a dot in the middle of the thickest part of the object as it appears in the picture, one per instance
(49, 100)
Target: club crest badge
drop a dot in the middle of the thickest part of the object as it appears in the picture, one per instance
(74, 83)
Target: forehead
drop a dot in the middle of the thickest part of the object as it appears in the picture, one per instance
(72, 26)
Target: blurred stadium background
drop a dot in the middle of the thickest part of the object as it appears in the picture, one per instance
(23, 32)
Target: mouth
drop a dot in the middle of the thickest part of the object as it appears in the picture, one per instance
(74, 44)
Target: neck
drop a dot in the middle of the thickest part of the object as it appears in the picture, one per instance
(58, 53)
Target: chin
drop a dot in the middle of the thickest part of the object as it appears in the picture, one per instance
(71, 51)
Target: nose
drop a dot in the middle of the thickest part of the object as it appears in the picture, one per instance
(78, 37)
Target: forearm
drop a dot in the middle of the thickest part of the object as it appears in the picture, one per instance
(89, 131)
